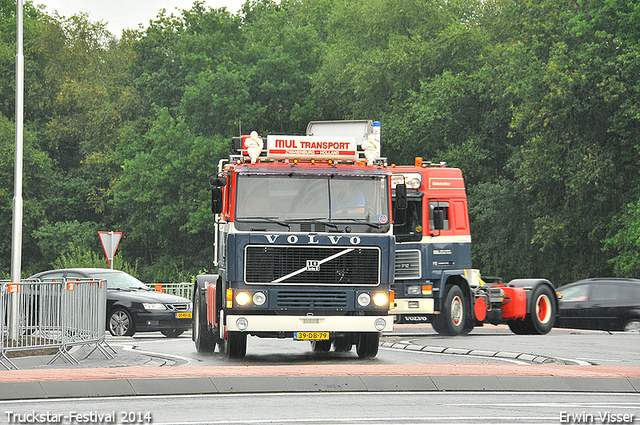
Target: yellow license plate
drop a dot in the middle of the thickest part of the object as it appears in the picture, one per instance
(310, 336)
(183, 315)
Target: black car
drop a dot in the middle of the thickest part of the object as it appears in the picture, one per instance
(611, 304)
(131, 305)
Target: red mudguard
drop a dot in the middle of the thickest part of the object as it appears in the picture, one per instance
(211, 304)
(516, 303)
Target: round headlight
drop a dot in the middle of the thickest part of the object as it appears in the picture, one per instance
(242, 323)
(414, 183)
(364, 299)
(259, 298)
(380, 299)
(380, 324)
(242, 298)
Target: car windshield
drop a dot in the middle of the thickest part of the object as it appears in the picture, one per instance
(280, 200)
(121, 281)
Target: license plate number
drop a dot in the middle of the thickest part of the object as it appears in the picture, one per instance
(310, 336)
(183, 315)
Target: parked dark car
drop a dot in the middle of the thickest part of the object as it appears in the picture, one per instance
(132, 306)
(611, 304)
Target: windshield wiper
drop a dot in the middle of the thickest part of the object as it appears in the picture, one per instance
(315, 220)
(269, 219)
(360, 221)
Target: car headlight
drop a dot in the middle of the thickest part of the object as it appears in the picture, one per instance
(380, 299)
(364, 299)
(154, 306)
(242, 298)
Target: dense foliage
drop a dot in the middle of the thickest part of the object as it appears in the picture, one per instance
(537, 101)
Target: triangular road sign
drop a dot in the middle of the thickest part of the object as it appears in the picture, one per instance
(110, 241)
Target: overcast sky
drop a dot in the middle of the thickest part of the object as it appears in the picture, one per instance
(120, 14)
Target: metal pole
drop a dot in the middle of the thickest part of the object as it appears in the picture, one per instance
(112, 250)
(16, 247)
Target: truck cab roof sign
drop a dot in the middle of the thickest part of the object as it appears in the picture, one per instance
(312, 147)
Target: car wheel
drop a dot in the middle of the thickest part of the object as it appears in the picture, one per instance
(632, 325)
(121, 323)
(172, 333)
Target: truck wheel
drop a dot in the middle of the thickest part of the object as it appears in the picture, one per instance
(543, 310)
(367, 345)
(321, 346)
(342, 344)
(236, 345)
(520, 327)
(453, 317)
(204, 339)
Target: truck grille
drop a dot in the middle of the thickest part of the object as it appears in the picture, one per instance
(343, 265)
(311, 300)
(407, 264)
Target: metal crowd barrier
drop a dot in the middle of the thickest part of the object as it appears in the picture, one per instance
(183, 289)
(57, 313)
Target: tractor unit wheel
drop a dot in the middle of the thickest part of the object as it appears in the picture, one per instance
(368, 344)
(542, 310)
(453, 317)
(204, 339)
(236, 345)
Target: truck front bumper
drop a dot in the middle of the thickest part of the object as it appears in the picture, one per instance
(410, 306)
(263, 323)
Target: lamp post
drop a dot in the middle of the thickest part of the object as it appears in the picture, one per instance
(16, 237)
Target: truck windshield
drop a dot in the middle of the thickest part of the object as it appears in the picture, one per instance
(278, 202)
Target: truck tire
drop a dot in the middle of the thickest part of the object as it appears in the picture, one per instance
(520, 327)
(542, 310)
(367, 345)
(342, 344)
(453, 317)
(236, 345)
(204, 339)
(321, 346)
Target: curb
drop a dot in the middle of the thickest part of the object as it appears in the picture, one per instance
(310, 384)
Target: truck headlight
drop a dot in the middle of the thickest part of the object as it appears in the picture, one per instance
(364, 299)
(380, 299)
(259, 298)
(414, 290)
(242, 298)
(380, 324)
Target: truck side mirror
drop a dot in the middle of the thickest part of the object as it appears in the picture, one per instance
(438, 219)
(216, 181)
(216, 200)
(401, 196)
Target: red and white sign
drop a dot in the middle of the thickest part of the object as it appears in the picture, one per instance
(310, 147)
(110, 241)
